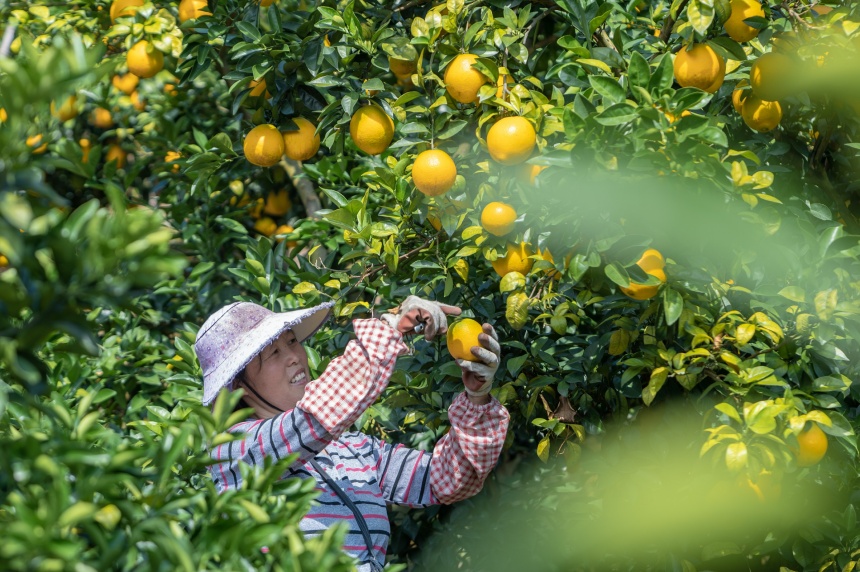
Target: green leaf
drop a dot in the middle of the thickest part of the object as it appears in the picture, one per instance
(744, 334)
(658, 378)
(736, 456)
(610, 89)
(638, 71)
(543, 449)
(700, 14)
(793, 293)
(618, 274)
(673, 305)
(618, 114)
(728, 410)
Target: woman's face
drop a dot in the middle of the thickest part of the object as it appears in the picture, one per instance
(280, 375)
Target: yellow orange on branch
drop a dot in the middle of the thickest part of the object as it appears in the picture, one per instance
(498, 218)
(301, 144)
(371, 129)
(434, 172)
(462, 81)
(264, 145)
(123, 8)
(126, 83)
(516, 259)
(741, 10)
(812, 446)
(701, 67)
(193, 9)
(652, 262)
(511, 140)
(760, 115)
(144, 59)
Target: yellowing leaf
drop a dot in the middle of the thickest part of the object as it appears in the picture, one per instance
(736, 456)
(304, 288)
(744, 334)
(658, 378)
(543, 449)
(825, 303)
(618, 342)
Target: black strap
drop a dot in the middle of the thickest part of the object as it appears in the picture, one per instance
(362, 524)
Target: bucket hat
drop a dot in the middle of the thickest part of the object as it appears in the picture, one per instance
(231, 337)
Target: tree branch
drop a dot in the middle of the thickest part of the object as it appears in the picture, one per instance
(669, 22)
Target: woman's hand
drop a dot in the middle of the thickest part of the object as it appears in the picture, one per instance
(418, 316)
(478, 375)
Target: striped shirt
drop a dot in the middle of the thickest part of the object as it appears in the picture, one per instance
(372, 472)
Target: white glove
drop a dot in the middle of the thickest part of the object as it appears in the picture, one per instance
(484, 370)
(419, 316)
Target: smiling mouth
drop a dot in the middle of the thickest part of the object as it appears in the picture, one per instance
(299, 378)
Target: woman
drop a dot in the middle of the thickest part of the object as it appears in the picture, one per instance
(246, 346)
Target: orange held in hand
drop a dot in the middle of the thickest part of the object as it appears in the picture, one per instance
(462, 336)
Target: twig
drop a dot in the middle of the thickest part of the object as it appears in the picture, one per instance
(798, 19)
(669, 22)
(8, 38)
(604, 40)
(411, 4)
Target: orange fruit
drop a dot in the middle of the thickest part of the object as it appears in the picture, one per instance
(35, 142)
(193, 9)
(516, 260)
(652, 262)
(258, 88)
(371, 129)
(172, 156)
(303, 144)
(126, 83)
(700, 67)
(285, 229)
(511, 140)
(85, 149)
(434, 172)
(144, 60)
(4, 262)
(768, 76)
(642, 292)
(278, 203)
(462, 80)
(116, 153)
(528, 173)
(498, 218)
(266, 226)
(138, 103)
(3, 115)
(266, 2)
(402, 68)
(462, 336)
(256, 208)
(760, 115)
(123, 8)
(740, 94)
(170, 89)
(741, 10)
(812, 446)
(264, 145)
(68, 110)
(101, 118)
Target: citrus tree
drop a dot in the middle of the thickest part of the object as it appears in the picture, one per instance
(652, 202)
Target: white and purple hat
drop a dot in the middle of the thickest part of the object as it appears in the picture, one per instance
(231, 337)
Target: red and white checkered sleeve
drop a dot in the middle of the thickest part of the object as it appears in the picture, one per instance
(463, 458)
(353, 381)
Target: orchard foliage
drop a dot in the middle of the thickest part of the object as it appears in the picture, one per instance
(142, 216)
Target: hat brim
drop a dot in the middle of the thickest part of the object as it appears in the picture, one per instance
(304, 324)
